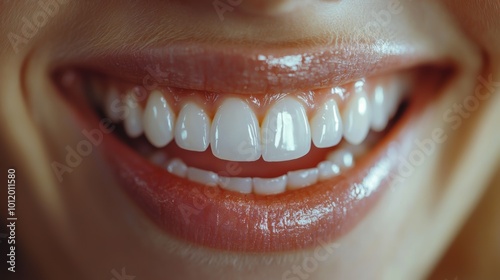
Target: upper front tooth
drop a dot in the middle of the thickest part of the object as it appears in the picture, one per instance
(159, 120)
(133, 118)
(235, 132)
(286, 133)
(192, 128)
(356, 117)
(326, 125)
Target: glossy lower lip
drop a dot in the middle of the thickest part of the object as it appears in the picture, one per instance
(224, 220)
(242, 69)
(295, 220)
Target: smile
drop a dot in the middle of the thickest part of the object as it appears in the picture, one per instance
(247, 161)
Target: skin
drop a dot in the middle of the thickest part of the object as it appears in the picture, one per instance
(86, 227)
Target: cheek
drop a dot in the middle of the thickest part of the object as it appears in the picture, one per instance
(479, 19)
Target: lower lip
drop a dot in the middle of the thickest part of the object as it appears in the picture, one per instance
(301, 219)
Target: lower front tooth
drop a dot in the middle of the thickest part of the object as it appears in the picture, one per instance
(236, 184)
(342, 158)
(235, 132)
(267, 186)
(133, 118)
(302, 178)
(202, 176)
(177, 167)
(327, 170)
(356, 118)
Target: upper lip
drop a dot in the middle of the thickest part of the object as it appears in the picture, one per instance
(290, 221)
(230, 221)
(243, 69)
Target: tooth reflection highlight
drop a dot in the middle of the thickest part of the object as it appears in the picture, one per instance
(285, 131)
(326, 125)
(235, 132)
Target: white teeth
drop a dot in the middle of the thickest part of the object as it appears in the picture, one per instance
(202, 176)
(327, 170)
(336, 162)
(379, 113)
(113, 105)
(241, 185)
(192, 128)
(356, 117)
(177, 167)
(159, 120)
(342, 158)
(326, 125)
(302, 178)
(265, 186)
(133, 118)
(235, 132)
(285, 132)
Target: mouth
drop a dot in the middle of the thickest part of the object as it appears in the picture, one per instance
(262, 152)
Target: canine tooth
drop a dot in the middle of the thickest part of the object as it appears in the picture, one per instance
(235, 132)
(159, 120)
(192, 128)
(379, 113)
(267, 186)
(327, 170)
(236, 184)
(177, 167)
(356, 117)
(201, 176)
(342, 158)
(133, 118)
(302, 178)
(326, 125)
(286, 132)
